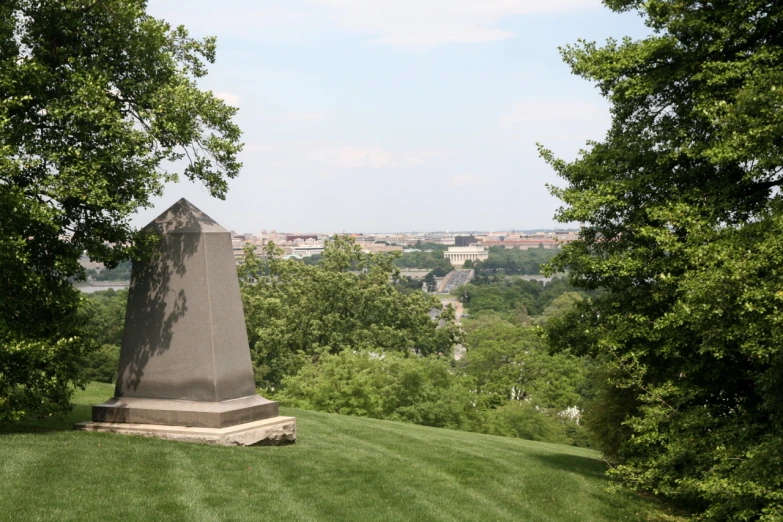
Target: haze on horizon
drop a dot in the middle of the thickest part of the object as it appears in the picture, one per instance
(396, 115)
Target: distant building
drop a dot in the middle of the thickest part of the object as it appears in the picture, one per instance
(307, 250)
(301, 238)
(463, 241)
(442, 239)
(396, 239)
(523, 244)
(379, 247)
(457, 255)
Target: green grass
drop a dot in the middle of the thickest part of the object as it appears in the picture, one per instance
(341, 468)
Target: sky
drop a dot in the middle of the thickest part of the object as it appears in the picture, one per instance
(396, 115)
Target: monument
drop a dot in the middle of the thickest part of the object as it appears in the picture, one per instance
(185, 371)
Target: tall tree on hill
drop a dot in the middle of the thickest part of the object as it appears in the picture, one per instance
(684, 229)
(96, 97)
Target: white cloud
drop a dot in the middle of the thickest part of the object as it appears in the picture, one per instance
(561, 125)
(406, 23)
(301, 116)
(466, 179)
(377, 157)
(347, 157)
(344, 157)
(237, 18)
(231, 99)
(282, 163)
(423, 23)
(554, 114)
(275, 181)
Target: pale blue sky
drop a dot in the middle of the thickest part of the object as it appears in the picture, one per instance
(396, 115)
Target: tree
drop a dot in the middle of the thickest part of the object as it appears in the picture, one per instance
(683, 222)
(510, 362)
(559, 306)
(515, 261)
(433, 260)
(105, 312)
(429, 281)
(96, 99)
(295, 312)
(393, 385)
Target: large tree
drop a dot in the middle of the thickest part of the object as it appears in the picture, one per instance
(683, 227)
(97, 100)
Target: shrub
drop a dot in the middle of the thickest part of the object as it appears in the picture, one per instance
(394, 386)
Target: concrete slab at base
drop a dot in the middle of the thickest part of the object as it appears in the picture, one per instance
(267, 432)
(223, 414)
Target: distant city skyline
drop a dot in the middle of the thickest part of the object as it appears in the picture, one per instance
(396, 115)
(372, 232)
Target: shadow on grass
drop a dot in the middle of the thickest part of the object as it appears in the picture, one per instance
(80, 413)
(585, 466)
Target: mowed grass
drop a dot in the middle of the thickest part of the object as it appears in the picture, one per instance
(341, 468)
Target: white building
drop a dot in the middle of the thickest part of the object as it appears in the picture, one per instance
(307, 250)
(458, 255)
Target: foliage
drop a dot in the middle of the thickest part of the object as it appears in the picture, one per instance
(515, 261)
(559, 306)
(429, 280)
(105, 312)
(522, 420)
(512, 298)
(684, 230)
(392, 385)
(96, 98)
(296, 312)
(31, 376)
(312, 260)
(521, 389)
(434, 260)
(511, 362)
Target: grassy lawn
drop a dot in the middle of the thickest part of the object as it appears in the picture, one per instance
(341, 468)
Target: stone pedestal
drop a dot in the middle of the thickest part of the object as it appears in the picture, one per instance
(185, 371)
(276, 431)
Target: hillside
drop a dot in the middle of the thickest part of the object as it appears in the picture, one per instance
(341, 468)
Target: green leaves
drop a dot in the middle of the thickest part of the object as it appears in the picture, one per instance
(390, 385)
(95, 104)
(682, 215)
(297, 312)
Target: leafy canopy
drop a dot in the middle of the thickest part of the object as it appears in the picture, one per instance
(295, 312)
(97, 100)
(683, 216)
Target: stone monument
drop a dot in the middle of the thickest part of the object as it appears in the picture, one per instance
(185, 371)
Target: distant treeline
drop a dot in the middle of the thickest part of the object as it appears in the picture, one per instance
(121, 273)
(512, 298)
(515, 261)
(430, 257)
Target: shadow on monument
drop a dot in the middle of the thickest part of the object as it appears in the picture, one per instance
(152, 311)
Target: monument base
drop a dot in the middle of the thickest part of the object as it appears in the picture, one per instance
(276, 431)
(171, 412)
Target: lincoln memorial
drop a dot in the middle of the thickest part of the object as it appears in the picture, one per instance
(458, 255)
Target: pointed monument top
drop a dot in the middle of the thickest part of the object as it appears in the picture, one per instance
(184, 218)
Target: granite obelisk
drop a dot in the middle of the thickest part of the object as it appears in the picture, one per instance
(185, 371)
